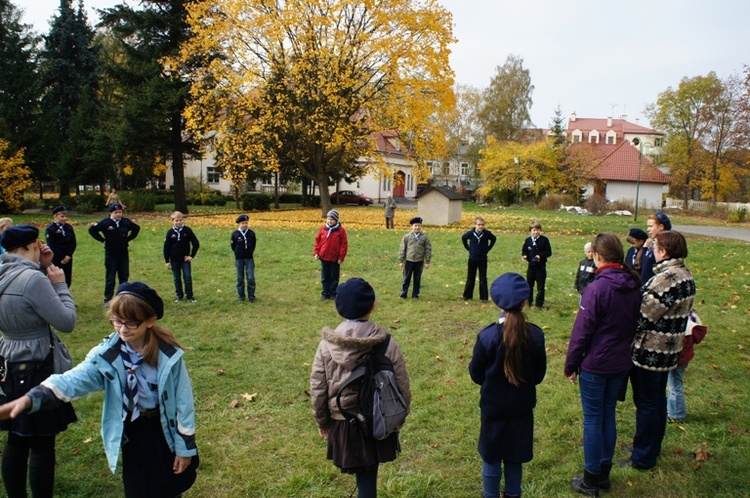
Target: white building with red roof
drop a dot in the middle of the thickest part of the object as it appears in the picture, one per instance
(627, 150)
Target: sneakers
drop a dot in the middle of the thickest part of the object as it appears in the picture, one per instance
(106, 304)
(192, 300)
(675, 420)
(178, 300)
(631, 463)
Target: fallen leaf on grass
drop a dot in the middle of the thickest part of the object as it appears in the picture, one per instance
(88, 440)
(438, 358)
(234, 403)
(220, 371)
(434, 445)
(397, 320)
(450, 382)
(75, 451)
(307, 393)
(393, 327)
(250, 397)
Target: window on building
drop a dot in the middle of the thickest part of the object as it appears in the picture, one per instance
(386, 184)
(658, 142)
(446, 169)
(464, 169)
(611, 139)
(213, 175)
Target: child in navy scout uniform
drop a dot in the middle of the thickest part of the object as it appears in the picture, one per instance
(586, 269)
(508, 362)
(479, 243)
(243, 246)
(62, 240)
(331, 246)
(414, 255)
(115, 232)
(180, 247)
(535, 251)
(637, 239)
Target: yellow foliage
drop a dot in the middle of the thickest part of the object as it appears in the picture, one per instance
(304, 82)
(15, 177)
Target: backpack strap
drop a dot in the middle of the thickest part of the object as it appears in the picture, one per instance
(359, 372)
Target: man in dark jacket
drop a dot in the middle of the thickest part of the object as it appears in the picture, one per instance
(478, 242)
(115, 232)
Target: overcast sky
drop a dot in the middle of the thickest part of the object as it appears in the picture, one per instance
(596, 58)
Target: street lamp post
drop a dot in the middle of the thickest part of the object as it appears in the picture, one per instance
(517, 160)
(639, 144)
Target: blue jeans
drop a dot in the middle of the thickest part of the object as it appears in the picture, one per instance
(329, 278)
(493, 472)
(598, 401)
(650, 398)
(115, 264)
(245, 269)
(181, 270)
(676, 396)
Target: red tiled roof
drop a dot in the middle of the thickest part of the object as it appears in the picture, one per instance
(621, 163)
(384, 145)
(620, 126)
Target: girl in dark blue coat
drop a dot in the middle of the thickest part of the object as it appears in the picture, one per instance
(509, 361)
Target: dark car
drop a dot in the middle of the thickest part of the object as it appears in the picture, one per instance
(350, 197)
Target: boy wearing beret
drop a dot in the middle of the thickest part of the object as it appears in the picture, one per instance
(115, 232)
(331, 246)
(414, 255)
(243, 246)
(62, 240)
(180, 247)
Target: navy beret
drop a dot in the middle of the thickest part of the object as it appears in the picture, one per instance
(241, 218)
(354, 298)
(18, 236)
(115, 207)
(637, 234)
(144, 292)
(663, 219)
(509, 291)
(416, 219)
(58, 209)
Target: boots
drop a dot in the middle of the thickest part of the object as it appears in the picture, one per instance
(604, 476)
(587, 484)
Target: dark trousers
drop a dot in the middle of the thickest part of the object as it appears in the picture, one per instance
(471, 277)
(412, 268)
(367, 483)
(388, 222)
(182, 270)
(33, 456)
(115, 264)
(329, 278)
(536, 274)
(650, 399)
(67, 269)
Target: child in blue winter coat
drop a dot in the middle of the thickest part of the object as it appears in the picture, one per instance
(148, 407)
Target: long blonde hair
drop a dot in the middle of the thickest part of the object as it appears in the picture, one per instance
(130, 307)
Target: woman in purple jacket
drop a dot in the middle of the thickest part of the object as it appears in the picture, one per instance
(599, 355)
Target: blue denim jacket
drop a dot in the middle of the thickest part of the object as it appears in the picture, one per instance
(103, 370)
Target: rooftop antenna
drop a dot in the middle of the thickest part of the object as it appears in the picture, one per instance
(612, 112)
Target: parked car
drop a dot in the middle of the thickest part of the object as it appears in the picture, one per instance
(350, 197)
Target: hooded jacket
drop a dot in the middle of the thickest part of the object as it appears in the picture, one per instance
(605, 324)
(331, 243)
(103, 369)
(339, 353)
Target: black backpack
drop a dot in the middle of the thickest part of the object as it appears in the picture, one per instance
(381, 408)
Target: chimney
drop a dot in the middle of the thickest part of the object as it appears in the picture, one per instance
(624, 117)
(573, 116)
(609, 122)
(636, 120)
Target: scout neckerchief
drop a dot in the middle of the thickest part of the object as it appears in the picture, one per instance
(62, 228)
(244, 237)
(177, 231)
(130, 394)
(478, 235)
(332, 228)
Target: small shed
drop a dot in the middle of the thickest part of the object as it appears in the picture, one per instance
(440, 206)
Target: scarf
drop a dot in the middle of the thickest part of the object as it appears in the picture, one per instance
(130, 394)
(332, 228)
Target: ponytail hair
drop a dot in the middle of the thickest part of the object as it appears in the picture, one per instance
(609, 247)
(516, 340)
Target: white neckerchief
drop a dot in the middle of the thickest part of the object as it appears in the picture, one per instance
(416, 235)
(62, 228)
(117, 222)
(533, 240)
(478, 235)
(244, 236)
(177, 231)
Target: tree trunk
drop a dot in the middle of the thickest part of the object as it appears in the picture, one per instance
(325, 196)
(178, 165)
(276, 190)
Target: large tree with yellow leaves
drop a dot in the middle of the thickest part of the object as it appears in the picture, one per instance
(302, 84)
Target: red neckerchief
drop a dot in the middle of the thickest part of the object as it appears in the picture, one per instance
(608, 265)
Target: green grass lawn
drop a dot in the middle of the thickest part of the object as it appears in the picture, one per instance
(269, 447)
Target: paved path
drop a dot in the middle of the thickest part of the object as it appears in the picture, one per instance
(727, 233)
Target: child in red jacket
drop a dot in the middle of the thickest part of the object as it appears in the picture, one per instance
(331, 245)
(694, 334)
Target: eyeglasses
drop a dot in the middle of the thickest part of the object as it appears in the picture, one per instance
(119, 323)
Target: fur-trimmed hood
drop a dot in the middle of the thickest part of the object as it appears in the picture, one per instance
(351, 340)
